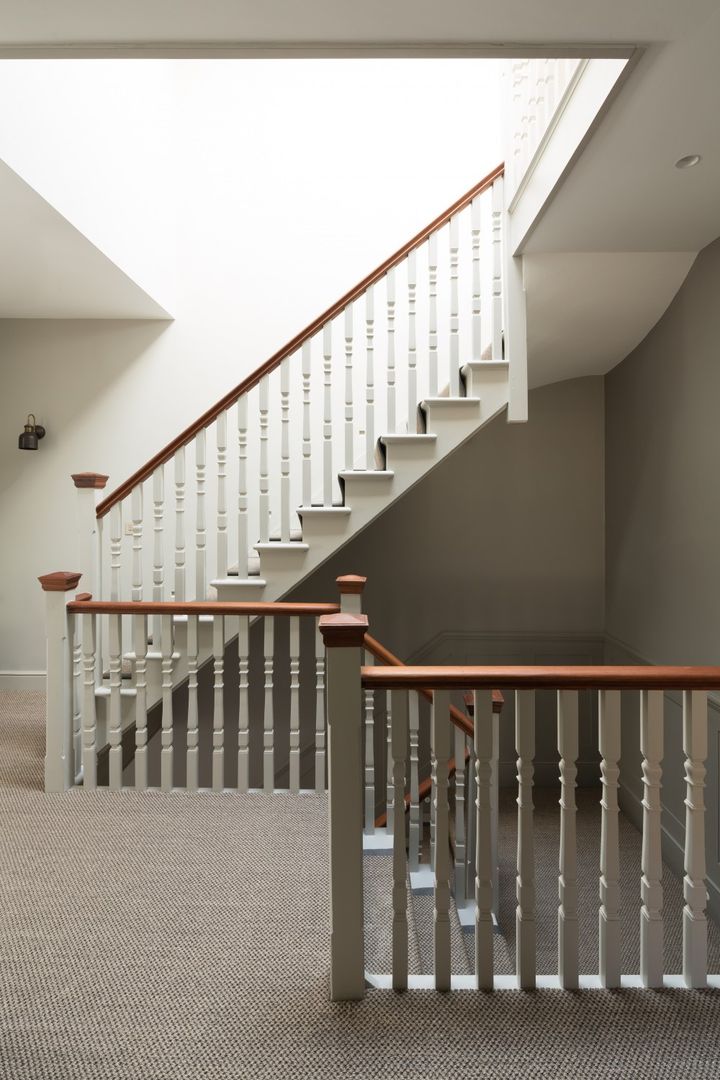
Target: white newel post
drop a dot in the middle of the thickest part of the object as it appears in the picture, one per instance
(59, 764)
(343, 636)
(87, 485)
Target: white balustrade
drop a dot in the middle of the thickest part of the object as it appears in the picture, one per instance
(370, 378)
(221, 434)
(136, 511)
(285, 450)
(218, 745)
(294, 759)
(264, 501)
(89, 713)
(116, 520)
(568, 970)
(412, 391)
(268, 710)
(399, 709)
(389, 786)
(497, 283)
(454, 382)
(140, 648)
(328, 481)
(483, 752)
(609, 918)
(415, 808)
(158, 573)
(460, 846)
(651, 917)
(391, 372)
(525, 911)
(115, 720)
(320, 735)
(200, 522)
(369, 697)
(193, 729)
(179, 467)
(306, 425)
(432, 315)
(441, 744)
(695, 746)
(349, 418)
(242, 515)
(166, 734)
(243, 704)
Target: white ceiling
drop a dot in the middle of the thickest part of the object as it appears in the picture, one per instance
(401, 22)
(49, 270)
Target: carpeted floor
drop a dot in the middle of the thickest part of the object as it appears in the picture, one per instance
(184, 937)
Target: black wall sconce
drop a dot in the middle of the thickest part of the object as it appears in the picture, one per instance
(28, 440)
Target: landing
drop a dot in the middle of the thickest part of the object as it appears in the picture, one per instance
(185, 936)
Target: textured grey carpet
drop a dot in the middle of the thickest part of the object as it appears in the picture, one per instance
(184, 937)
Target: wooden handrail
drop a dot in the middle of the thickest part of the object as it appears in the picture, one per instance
(458, 718)
(292, 346)
(196, 607)
(639, 677)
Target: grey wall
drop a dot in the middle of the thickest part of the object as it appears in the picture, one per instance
(663, 530)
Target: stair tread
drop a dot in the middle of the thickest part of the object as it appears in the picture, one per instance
(381, 474)
(408, 437)
(233, 579)
(282, 545)
(478, 365)
(449, 401)
(309, 510)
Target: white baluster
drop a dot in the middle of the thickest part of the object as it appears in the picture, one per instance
(525, 912)
(193, 731)
(180, 525)
(497, 305)
(412, 402)
(166, 735)
(327, 416)
(306, 438)
(471, 828)
(319, 712)
(391, 394)
(268, 711)
(476, 281)
(651, 917)
(349, 433)
(222, 505)
(495, 809)
(399, 710)
(242, 534)
(136, 510)
(294, 778)
(115, 720)
(453, 234)
(76, 639)
(432, 315)
(441, 743)
(200, 524)
(460, 848)
(695, 745)
(89, 716)
(158, 593)
(116, 551)
(243, 705)
(140, 648)
(567, 707)
(415, 810)
(264, 405)
(369, 696)
(370, 379)
(609, 919)
(389, 787)
(483, 747)
(285, 450)
(218, 753)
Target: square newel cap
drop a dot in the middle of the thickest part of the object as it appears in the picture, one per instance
(60, 581)
(89, 480)
(343, 631)
(351, 584)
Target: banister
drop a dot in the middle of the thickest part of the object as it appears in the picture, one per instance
(197, 607)
(292, 346)
(639, 677)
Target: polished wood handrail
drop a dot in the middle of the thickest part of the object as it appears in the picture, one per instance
(639, 677)
(197, 607)
(292, 346)
(458, 718)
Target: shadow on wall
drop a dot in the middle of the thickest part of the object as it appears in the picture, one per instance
(61, 370)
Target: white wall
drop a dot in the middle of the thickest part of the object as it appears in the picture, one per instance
(245, 197)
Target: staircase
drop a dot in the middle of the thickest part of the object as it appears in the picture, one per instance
(329, 432)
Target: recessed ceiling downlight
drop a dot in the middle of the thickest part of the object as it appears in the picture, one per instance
(688, 161)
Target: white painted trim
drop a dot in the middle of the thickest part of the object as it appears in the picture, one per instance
(221, 50)
(543, 982)
(22, 680)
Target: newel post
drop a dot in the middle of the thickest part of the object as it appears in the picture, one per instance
(350, 587)
(88, 486)
(343, 636)
(59, 763)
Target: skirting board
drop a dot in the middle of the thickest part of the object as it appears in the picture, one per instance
(22, 680)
